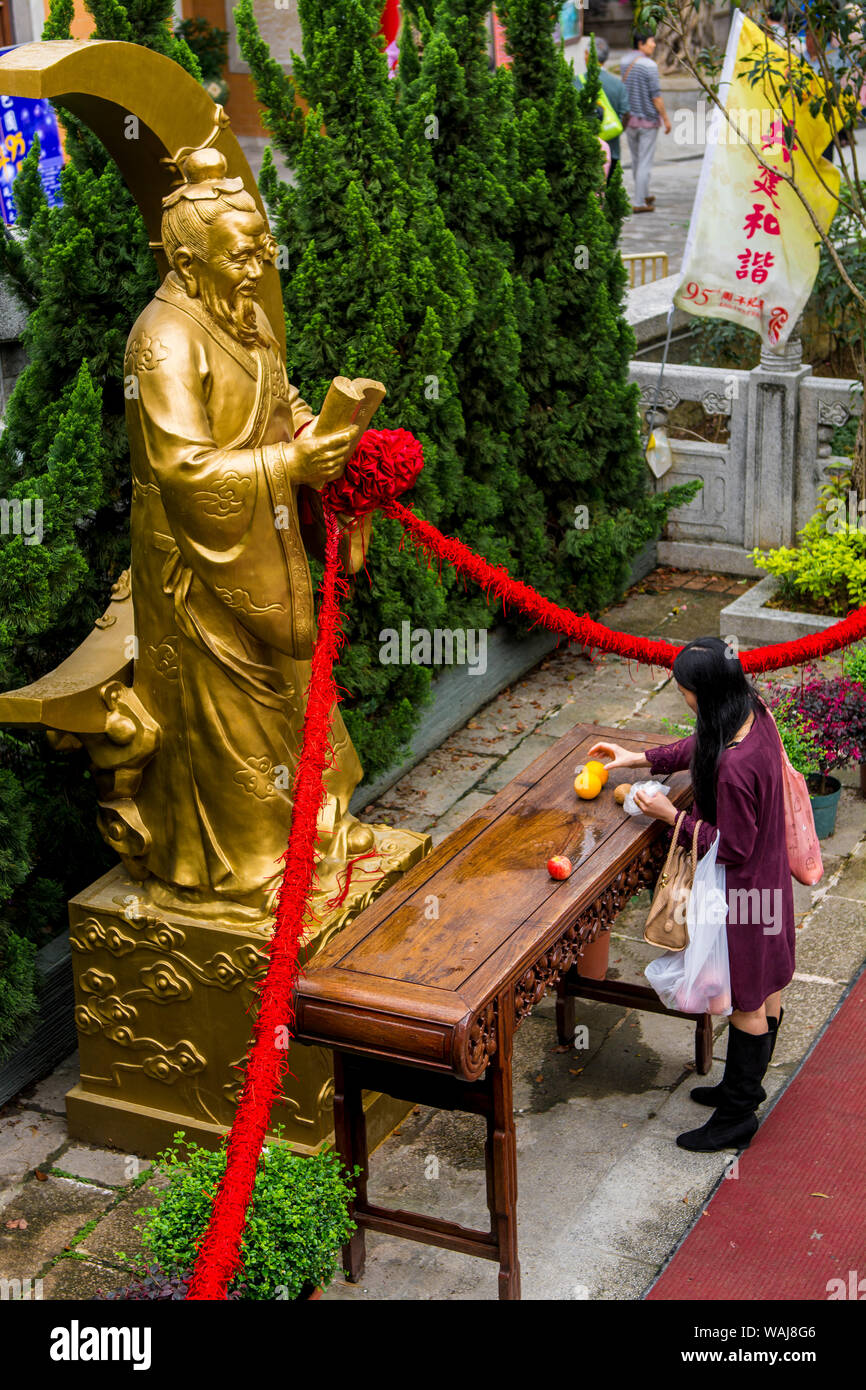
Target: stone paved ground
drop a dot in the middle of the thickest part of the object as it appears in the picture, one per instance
(604, 1195)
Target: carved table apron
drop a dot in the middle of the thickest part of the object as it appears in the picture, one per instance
(419, 997)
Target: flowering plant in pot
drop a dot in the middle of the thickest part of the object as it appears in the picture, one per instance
(798, 734)
(833, 713)
(298, 1219)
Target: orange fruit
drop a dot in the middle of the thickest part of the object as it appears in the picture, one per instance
(598, 768)
(587, 785)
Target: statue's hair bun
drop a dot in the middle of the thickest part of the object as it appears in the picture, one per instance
(204, 165)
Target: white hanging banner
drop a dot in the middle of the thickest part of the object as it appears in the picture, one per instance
(752, 250)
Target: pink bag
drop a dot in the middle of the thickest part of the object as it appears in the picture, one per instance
(801, 838)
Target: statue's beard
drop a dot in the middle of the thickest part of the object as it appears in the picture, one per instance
(236, 314)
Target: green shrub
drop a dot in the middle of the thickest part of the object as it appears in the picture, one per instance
(297, 1221)
(828, 566)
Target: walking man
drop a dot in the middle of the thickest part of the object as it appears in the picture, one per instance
(647, 113)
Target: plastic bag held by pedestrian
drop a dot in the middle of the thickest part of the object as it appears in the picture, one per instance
(698, 979)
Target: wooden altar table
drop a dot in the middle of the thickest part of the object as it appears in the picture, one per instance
(419, 997)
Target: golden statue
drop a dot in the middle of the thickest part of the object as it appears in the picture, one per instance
(189, 694)
(223, 601)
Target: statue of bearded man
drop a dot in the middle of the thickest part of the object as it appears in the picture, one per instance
(223, 600)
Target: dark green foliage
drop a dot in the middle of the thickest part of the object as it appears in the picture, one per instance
(297, 1222)
(18, 1003)
(17, 956)
(460, 111)
(580, 442)
(376, 286)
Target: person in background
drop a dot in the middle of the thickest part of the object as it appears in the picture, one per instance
(647, 112)
(614, 90)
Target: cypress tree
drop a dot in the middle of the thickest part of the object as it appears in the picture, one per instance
(374, 284)
(580, 445)
(453, 103)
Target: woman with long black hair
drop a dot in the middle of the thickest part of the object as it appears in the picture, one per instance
(736, 772)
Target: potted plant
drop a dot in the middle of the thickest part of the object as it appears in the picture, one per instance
(825, 724)
(854, 668)
(297, 1221)
(825, 572)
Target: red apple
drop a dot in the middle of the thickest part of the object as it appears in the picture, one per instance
(559, 866)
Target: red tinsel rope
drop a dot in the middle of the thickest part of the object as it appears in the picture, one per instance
(219, 1253)
(498, 582)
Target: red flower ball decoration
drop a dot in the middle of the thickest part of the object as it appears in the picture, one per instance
(385, 464)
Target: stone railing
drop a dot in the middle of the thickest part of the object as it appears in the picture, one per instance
(761, 484)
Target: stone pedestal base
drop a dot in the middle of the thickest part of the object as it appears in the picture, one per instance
(163, 1010)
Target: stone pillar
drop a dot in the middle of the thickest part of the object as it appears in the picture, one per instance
(773, 409)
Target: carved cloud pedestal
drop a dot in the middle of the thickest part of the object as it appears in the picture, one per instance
(164, 1014)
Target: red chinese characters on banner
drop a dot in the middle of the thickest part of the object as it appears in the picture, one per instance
(759, 219)
(767, 182)
(751, 307)
(756, 265)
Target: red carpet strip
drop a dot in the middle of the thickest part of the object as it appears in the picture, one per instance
(792, 1224)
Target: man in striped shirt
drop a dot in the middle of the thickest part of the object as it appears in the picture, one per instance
(641, 77)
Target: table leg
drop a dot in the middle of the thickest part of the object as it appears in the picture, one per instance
(564, 1013)
(350, 1132)
(704, 1044)
(501, 1152)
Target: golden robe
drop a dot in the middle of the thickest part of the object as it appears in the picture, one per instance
(224, 615)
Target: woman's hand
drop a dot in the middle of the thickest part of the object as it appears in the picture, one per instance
(658, 806)
(620, 757)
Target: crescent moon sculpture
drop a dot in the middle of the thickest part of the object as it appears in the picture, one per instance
(104, 83)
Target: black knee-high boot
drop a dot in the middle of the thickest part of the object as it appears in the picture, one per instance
(735, 1121)
(714, 1095)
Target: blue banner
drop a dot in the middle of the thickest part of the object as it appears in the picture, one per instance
(22, 119)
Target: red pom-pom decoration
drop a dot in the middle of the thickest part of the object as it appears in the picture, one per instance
(385, 464)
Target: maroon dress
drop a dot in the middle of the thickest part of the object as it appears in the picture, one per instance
(750, 817)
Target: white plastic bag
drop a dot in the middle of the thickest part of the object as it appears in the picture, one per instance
(698, 979)
(646, 789)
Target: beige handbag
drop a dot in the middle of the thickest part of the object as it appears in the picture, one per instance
(666, 922)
